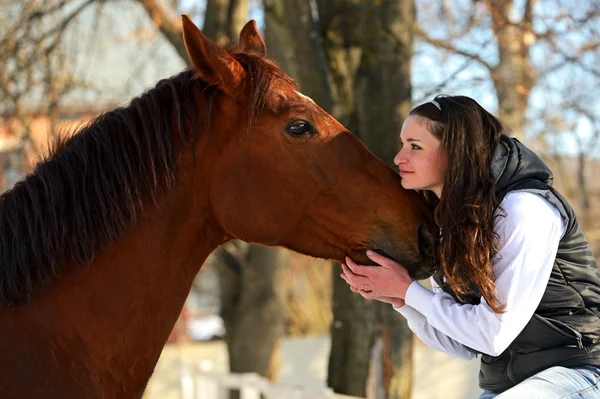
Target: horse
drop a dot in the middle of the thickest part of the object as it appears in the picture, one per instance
(100, 244)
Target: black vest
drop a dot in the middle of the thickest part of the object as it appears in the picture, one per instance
(565, 328)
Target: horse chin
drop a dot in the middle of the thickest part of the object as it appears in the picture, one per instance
(416, 270)
(421, 274)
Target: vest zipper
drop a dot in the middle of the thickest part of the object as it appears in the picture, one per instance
(577, 334)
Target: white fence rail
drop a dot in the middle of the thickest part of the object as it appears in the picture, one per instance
(200, 384)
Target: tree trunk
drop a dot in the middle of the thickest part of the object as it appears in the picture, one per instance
(396, 355)
(338, 22)
(250, 309)
(251, 312)
(237, 16)
(169, 25)
(293, 42)
(382, 87)
(352, 336)
(384, 94)
(514, 76)
(215, 20)
(371, 74)
(354, 319)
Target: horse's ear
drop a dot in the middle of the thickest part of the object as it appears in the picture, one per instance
(251, 40)
(213, 64)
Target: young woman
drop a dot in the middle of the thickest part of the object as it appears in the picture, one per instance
(517, 282)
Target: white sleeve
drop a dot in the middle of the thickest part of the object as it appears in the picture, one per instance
(529, 237)
(429, 335)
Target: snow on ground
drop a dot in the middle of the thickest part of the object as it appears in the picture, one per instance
(304, 363)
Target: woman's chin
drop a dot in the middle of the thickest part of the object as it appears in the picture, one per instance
(407, 186)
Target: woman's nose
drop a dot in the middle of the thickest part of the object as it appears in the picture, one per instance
(399, 159)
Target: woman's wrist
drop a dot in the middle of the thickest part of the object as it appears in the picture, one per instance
(405, 287)
(398, 303)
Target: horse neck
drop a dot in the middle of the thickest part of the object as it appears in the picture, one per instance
(139, 286)
(114, 316)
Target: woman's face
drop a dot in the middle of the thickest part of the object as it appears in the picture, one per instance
(421, 160)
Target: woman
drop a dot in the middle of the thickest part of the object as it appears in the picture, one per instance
(517, 282)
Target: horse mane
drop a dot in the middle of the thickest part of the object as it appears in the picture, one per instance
(92, 186)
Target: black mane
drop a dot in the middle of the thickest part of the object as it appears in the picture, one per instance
(89, 189)
(92, 186)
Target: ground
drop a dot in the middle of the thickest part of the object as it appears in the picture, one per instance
(304, 362)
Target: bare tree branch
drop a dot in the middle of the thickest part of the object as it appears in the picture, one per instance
(446, 45)
(169, 25)
(440, 86)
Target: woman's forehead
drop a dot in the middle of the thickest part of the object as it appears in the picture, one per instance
(416, 128)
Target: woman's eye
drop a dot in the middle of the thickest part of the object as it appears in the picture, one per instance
(415, 147)
(300, 128)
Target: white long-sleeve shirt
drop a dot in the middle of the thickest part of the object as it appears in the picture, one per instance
(529, 237)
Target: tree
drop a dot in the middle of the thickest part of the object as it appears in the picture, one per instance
(293, 41)
(34, 65)
(511, 29)
(353, 59)
(369, 47)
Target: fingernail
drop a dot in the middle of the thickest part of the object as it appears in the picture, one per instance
(369, 252)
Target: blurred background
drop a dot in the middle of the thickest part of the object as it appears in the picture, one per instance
(287, 321)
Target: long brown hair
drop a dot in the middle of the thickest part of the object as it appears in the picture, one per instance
(466, 208)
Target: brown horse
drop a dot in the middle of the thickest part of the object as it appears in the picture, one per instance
(100, 245)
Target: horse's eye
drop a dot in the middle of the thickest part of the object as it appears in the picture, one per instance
(300, 128)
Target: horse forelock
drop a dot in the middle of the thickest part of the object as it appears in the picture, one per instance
(260, 74)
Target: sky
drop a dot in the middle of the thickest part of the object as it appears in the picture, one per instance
(128, 59)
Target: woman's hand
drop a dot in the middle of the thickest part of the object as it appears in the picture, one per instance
(397, 302)
(390, 280)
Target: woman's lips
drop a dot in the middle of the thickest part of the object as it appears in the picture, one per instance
(406, 172)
